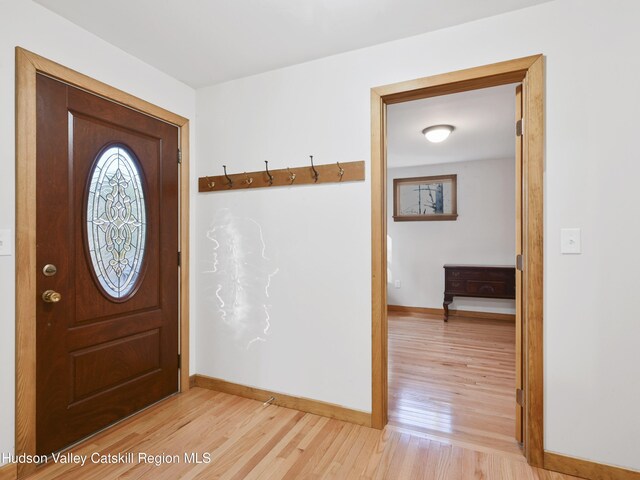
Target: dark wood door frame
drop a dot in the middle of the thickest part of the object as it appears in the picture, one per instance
(529, 71)
(28, 65)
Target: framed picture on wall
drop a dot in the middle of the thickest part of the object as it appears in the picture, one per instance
(425, 198)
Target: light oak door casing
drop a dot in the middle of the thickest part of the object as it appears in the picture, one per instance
(28, 66)
(519, 251)
(529, 71)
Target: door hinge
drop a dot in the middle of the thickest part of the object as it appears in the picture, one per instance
(520, 127)
(179, 361)
(520, 397)
(519, 262)
(179, 259)
(179, 156)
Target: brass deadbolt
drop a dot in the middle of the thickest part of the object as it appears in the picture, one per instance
(49, 270)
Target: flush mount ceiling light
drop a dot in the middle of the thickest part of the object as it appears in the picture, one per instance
(437, 133)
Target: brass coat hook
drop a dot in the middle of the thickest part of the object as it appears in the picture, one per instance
(229, 181)
(315, 172)
(266, 163)
(248, 180)
(340, 171)
(210, 183)
(292, 176)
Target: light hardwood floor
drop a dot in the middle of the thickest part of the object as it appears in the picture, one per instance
(454, 381)
(248, 440)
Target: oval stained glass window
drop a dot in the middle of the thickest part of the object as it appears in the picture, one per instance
(116, 221)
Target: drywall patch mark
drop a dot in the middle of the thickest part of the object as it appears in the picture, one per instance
(264, 245)
(241, 275)
(257, 339)
(271, 275)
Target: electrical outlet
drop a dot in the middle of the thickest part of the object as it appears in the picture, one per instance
(398, 284)
(5, 242)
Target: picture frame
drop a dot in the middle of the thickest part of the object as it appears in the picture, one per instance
(425, 198)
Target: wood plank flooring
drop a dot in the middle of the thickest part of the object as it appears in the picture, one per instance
(454, 381)
(248, 440)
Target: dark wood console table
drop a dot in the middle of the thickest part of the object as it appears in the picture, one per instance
(484, 281)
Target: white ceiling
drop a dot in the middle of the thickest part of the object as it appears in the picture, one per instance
(203, 42)
(484, 122)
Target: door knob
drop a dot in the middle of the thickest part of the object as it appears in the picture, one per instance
(51, 296)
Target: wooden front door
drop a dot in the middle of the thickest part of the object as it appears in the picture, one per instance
(107, 260)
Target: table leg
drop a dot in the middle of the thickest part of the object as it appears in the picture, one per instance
(447, 301)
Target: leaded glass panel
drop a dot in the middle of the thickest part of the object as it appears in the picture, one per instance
(116, 221)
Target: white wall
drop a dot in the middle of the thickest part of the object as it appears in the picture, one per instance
(318, 343)
(29, 25)
(483, 234)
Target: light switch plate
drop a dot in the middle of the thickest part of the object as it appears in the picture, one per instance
(570, 241)
(6, 243)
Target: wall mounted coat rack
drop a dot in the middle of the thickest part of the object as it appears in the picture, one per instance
(313, 174)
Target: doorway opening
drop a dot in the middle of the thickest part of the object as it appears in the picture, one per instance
(530, 73)
(451, 249)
